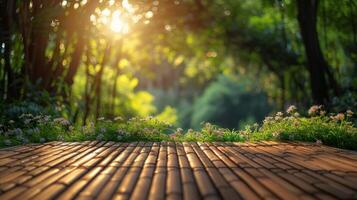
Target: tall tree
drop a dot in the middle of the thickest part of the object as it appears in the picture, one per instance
(320, 75)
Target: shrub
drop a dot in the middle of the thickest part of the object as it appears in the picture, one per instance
(330, 129)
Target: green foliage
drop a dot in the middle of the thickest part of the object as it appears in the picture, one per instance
(168, 115)
(42, 128)
(228, 102)
(209, 133)
(202, 58)
(334, 130)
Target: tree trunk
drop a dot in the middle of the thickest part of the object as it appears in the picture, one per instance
(10, 83)
(282, 88)
(82, 40)
(98, 80)
(75, 60)
(114, 92)
(87, 98)
(317, 65)
(117, 70)
(38, 59)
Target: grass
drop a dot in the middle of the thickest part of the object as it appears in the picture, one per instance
(334, 130)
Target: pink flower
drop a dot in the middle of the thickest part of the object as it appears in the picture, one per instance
(291, 110)
(313, 110)
(340, 116)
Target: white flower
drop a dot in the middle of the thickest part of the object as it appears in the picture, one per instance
(60, 137)
(47, 118)
(58, 120)
(23, 115)
(118, 118)
(62, 121)
(276, 134)
(278, 118)
(65, 123)
(27, 121)
(279, 114)
(208, 124)
(179, 130)
(318, 142)
(291, 110)
(44, 119)
(267, 120)
(100, 118)
(349, 113)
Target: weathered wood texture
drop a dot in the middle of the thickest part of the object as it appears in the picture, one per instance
(108, 170)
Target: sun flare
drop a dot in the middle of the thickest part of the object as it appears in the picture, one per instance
(118, 24)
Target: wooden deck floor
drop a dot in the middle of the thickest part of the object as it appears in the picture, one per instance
(108, 170)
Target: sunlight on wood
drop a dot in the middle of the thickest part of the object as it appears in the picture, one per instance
(107, 170)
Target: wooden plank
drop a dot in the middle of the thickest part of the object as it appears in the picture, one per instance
(168, 170)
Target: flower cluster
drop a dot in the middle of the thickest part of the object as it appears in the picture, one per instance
(62, 121)
(316, 110)
(279, 116)
(268, 120)
(349, 113)
(338, 117)
(291, 110)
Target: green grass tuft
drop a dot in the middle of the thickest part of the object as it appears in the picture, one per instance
(334, 130)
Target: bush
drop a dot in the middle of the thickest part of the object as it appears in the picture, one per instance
(331, 129)
(334, 130)
(40, 128)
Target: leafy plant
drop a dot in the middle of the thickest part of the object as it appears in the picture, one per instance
(330, 129)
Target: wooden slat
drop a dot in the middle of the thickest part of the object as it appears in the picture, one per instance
(169, 170)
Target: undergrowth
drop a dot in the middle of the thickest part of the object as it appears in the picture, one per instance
(331, 129)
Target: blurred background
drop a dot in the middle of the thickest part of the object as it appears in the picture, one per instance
(229, 62)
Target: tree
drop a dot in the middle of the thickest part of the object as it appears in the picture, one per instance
(320, 76)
